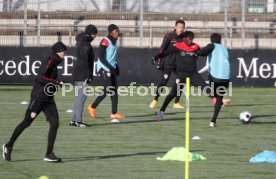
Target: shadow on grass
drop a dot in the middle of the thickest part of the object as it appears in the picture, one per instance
(263, 116)
(168, 113)
(257, 122)
(167, 119)
(79, 159)
(140, 121)
(253, 122)
(117, 156)
(27, 160)
(241, 105)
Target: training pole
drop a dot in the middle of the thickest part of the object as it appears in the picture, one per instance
(187, 141)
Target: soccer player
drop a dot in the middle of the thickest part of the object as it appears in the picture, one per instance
(219, 71)
(167, 64)
(185, 67)
(108, 68)
(83, 72)
(42, 99)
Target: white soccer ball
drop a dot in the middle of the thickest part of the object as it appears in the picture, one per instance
(245, 117)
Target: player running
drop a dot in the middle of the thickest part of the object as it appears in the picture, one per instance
(167, 64)
(42, 99)
(219, 71)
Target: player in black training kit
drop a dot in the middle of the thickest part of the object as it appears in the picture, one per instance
(167, 64)
(42, 99)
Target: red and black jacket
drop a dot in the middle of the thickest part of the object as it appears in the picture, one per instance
(185, 57)
(168, 40)
(48, 73)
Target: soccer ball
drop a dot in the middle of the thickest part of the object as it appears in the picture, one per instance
(245, 117)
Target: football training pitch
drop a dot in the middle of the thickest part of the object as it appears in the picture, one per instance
(128, 150)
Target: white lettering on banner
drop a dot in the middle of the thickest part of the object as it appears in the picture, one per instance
(1, 62)
(10, 67)
(265, 70)
(26, 62)
(274, 70)
(67, 64)
(27, 68)
(253, 65)
(34, 67)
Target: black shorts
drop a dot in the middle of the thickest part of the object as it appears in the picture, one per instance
(48, 108)
(219, 86)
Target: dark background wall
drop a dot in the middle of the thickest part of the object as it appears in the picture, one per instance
(249, 68)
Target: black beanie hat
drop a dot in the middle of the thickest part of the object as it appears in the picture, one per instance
(112, 27)
(91, 29)
(58, 47)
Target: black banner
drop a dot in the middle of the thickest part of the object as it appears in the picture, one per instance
(248, 68)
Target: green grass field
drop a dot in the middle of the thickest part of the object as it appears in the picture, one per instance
(128, 150)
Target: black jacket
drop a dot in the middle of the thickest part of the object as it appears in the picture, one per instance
(84, 65)
(48, 73)
(168, 40)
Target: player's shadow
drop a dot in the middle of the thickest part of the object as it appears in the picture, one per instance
(78, 159)
(263, 116)
(154, 114)
(168, 119)
(139, 121)
(242, 105)
(26, 160)
(167, 113)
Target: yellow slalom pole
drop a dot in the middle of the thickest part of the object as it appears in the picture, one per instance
(187, 146)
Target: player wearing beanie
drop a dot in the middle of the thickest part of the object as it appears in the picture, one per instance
(42, 99)
(83, 72)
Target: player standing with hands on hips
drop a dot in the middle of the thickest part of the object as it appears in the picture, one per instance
(83, 72)
(108, 68)
(42, 99)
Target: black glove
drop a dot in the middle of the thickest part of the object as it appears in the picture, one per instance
(153, 60)
(157, 62)
(88, 80)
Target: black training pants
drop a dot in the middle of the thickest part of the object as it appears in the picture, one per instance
(195, 79)
(35, 107)
(219, 89)
(110, 88)
(166, 73)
